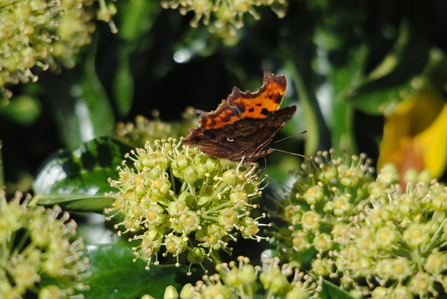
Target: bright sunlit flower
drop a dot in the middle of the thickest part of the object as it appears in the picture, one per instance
(371, 235)
(239, 279)
(35, 244)
(136, 134)
(34, 33)
(178, 200)
(415, 135)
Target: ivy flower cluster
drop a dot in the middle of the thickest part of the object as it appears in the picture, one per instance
(136, 134)
(371, 236)
(29, 31)
(178, 200)
(35, 246)
(240, 279)
(224, 16)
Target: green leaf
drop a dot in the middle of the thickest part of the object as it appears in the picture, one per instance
(134, 21)
(78, 101)
(96, 101)
(115, 275)
(136, 18)
(342, 78)
(77, 179)
(332, 291)
(393, 77)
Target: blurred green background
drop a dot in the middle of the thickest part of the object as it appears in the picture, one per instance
(349, 65)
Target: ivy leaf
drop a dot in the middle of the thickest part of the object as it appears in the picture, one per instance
(332, 291)
(78, 179)
(115, 275)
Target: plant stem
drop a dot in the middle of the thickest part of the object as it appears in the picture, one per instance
(2, 171)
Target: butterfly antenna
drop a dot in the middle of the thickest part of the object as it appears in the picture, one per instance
(293, 154)
(304, 132)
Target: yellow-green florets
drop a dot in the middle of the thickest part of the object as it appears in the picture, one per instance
(35, 32)
(240, 279)
(178, 200)
(368, 234)
(226, 16)
(136, 134)
(35, 244)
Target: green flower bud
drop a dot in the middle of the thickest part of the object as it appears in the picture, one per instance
(411, 175)
(196, 255)
(300, 241)
(379, 293)
(154, 174)
(415, 236)
(190, 175)
(137, 210)
(170, 293)
(275, 283)
(388, 175)
(237, 197)
(186, 197)
(313, 195)
(401, 292)
(322, 267)
(51, 291)
(187, 291)
(175, 244)
(349, 177)
(249, 228)
(425, 177)
(386, 237)
(400, 269)
(228, 218)
(189, 222)
(439, 202)
(322, 242)
(217, 291)
(229, 177)
(436, 262)
(160, 187)
(311, 220)
(155, 214)
(180, 162)
(421, 283)
(327, 173)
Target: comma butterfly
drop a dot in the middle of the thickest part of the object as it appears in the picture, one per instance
(243, 126)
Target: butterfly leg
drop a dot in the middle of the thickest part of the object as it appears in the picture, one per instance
(254, 164)
(239, 166)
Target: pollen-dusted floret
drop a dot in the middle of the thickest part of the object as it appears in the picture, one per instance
(36, 242)
(143, 129)
(178, 200)
(240, 279)
(38, 32)
(224, 16)
(370, 234)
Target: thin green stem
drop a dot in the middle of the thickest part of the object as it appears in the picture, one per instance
(2, 171)
(317, 137)
(215, 257)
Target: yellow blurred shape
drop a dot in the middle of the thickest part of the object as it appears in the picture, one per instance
(415, 135)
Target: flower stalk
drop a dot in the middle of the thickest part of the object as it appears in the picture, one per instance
(2, 169)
